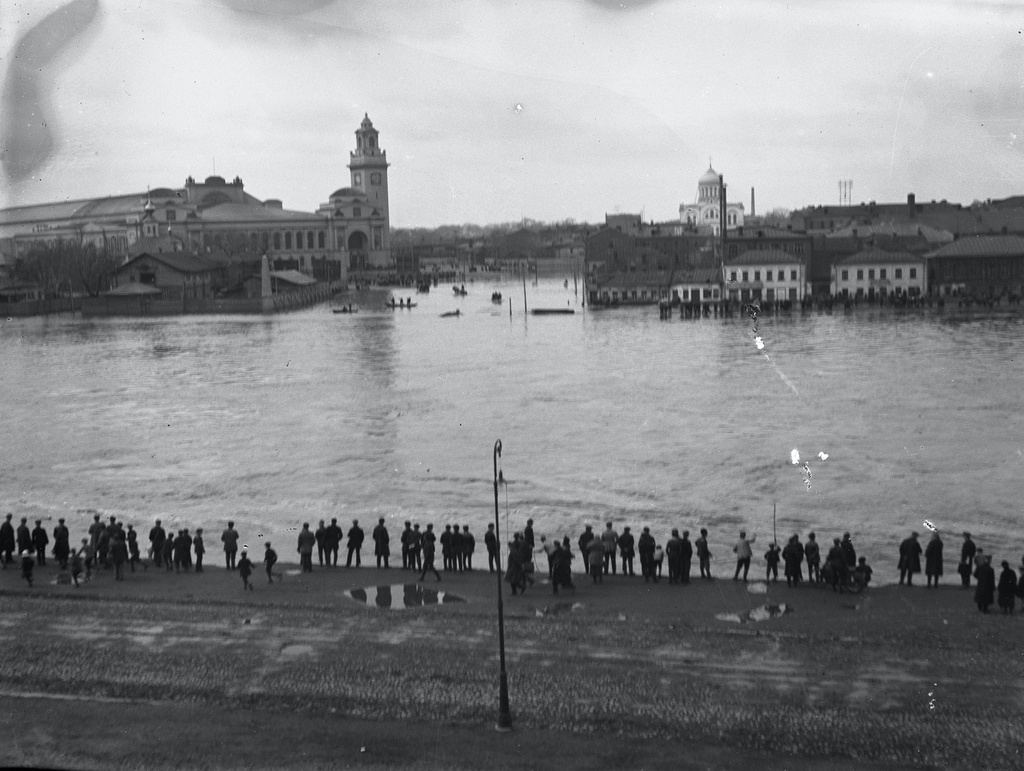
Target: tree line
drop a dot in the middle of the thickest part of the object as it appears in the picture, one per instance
(67, 267)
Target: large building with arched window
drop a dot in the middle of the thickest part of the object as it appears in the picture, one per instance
(349, 233)
(704, 216)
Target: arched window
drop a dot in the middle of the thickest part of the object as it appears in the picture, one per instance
(309, 239)
(277, 241)
(298, 239)
(321, 239)
(288, 239)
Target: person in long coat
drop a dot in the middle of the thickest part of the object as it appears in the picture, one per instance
(561, 572)
(514, 573)
(7, 541)
(1007, 588)
(984, 591)
(910, 559)
(381, 549)
(933, 559)
(793, 556)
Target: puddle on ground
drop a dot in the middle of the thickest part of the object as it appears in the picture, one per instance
(757, 588)
(402, 596)
(763, 613)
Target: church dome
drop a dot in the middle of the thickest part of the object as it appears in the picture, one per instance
(710, 177)
(347, 192)
(366, 124)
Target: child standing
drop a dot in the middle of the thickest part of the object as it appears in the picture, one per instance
(269, 560)
(245, 569)
(863, 571)
(27, 564)
(76, 566)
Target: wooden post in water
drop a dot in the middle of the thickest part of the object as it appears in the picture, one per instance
(524, 290)
(775, 535)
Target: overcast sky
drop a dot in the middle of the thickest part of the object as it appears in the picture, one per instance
(491, 111)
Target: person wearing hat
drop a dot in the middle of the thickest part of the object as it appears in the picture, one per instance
(61, 544)
(332, 541)
(381, 549)
(406, 540)
(933, 560)
(157, 536)
(967, 552)
(910, 559)
(645, 548)
(491, 542)
(39, 541)
(245, 567)
(985, 589)
(7, 541)
(355, 544)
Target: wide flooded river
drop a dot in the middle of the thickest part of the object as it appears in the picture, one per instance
(603, 415)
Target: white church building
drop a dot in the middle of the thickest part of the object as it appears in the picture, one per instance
(704, 214)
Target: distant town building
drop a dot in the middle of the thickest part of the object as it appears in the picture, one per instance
(704, 214)
(768, 275)
(978, 267)
(697, 286)
(351, 232)
(875, 273)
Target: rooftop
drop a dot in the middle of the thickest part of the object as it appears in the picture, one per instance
(878, 257)
(982, 246)
(763, 257)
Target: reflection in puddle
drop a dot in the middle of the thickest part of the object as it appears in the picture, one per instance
(401, 596)
(762, 613)
(757, 588)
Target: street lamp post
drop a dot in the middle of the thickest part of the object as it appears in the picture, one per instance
(504, 716)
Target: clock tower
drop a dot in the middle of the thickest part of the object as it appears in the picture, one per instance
(368, 165)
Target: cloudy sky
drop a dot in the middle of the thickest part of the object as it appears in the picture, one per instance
(493, 110)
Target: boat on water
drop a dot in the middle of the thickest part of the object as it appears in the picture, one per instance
(460, 290)
(450, 314)
(345, 309)
(496, 297)
(393, 305)
(552, 311)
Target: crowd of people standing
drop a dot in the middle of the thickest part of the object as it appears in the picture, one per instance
(115, 545)
(602, 553)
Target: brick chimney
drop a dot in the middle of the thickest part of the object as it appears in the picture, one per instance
(911, 206)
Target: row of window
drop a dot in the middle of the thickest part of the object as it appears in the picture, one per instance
(769, 294)
(711, 215)
(767, 275)
(985, 270)
(897, 273)
(357, 180)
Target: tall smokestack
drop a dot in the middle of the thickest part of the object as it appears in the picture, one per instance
(753, 212)
(721, 212)
(911, 206)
